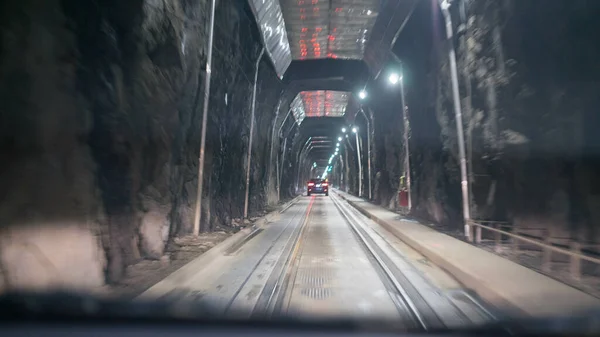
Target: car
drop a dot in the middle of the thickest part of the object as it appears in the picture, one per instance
(317, 186)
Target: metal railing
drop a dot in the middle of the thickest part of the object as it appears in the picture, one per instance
(548, 245)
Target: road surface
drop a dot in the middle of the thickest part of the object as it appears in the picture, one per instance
(322, 259)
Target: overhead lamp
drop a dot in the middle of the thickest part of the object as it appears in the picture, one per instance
(445, 5)
(340, 139)
(394, 78)
(362, 94)
(354, 130)
(344, 130)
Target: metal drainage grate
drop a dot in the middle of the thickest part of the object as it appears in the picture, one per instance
(316, 293)
(312, 280)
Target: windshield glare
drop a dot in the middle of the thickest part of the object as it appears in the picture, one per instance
(419, 164)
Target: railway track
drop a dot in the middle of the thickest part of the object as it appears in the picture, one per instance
(325, 260)
(278, 297)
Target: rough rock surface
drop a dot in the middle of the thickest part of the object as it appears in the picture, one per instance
(59, 256)
(102, 106)
(100, 131)
(528, 82)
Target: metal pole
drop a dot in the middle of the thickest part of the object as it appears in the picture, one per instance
(280, 168)
(299, 157)
(342, 182)
(280, 172)
(273, 146)
(198, 209)
(269, 176)
(303, 167)
(251, 132)
(277, 175)
(271, 155)
(368, 151)
(459, 123)
(346, 167)
(406, 145)
(283, 123)
(359, 165)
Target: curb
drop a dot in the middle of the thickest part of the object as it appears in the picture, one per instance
(289, 204)
(490, 295)
(184, 273)
(167, 284)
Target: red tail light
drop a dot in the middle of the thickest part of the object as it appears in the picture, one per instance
(311, 184)
(325, 184)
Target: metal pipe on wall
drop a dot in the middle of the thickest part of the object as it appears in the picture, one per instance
(283, 123)
(406, 138)
(359, 165)
(249, 161)
(302, 164)
(280, 170)
(269, 174)
(298, 157)
(273, 146)
(198, 208)
(444, 5)
(368, 151)
(277, 173)
(346, 168)
(341, 182)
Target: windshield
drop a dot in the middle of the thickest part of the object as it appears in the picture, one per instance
(422, 164)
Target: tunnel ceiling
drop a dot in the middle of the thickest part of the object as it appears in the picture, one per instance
(320, 134)
(303, 30)
(319, 103)
(272, 27)
(318, 29)
(318, 42)
(320, 125)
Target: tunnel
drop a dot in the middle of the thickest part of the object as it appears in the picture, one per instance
(130, 129)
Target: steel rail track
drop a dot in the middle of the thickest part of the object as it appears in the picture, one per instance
(403, 301)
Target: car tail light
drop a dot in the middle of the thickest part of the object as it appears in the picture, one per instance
(325, 184)
(311, 184)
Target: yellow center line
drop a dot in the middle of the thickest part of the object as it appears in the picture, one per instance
(294, 255)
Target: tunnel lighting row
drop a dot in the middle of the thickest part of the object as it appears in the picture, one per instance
(337, 150)
(329, 166)
(394, 78)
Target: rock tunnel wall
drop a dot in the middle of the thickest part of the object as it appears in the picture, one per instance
(528, 81)
(534, 81)
(100, 132)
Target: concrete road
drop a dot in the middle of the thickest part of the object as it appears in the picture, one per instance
(322, 259)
